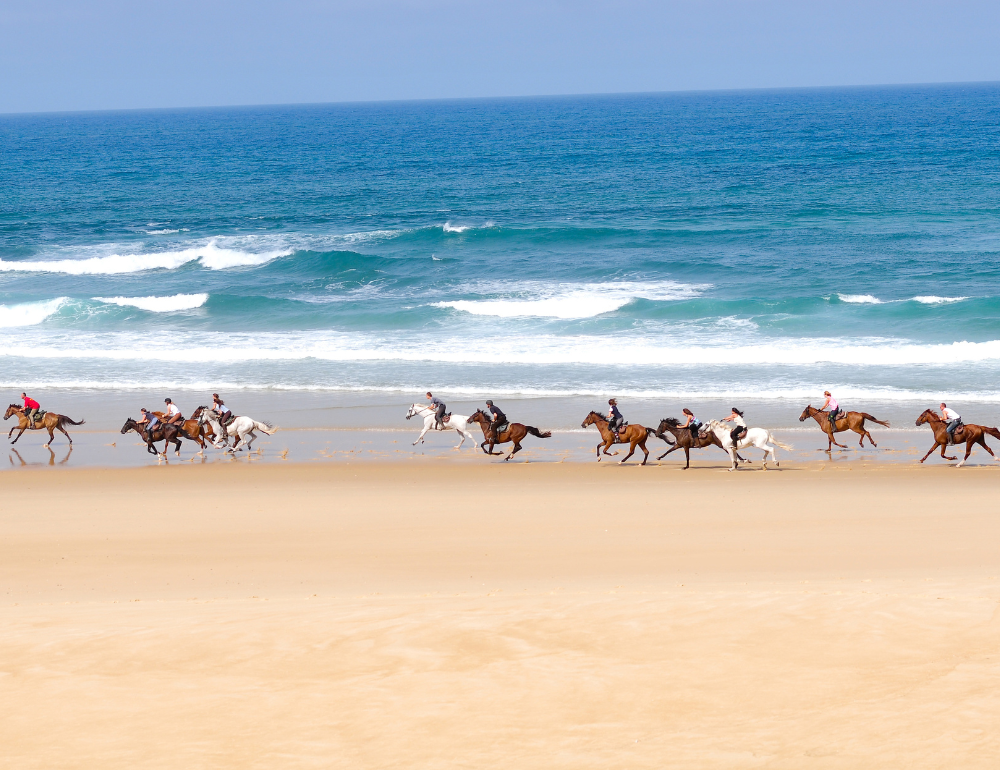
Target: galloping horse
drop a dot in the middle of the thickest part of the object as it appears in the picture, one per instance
(241, 428)
(515, 432)
(192, 430)
(457, 422)
(163, 431)
(757, 438)
(850, 421)
(50, 422)
(633, 435)
(683, 440)
(971, 434)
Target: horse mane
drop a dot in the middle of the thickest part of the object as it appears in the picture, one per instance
(671, 422)
(713, 424)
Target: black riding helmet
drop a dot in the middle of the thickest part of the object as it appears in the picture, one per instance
(489, 403)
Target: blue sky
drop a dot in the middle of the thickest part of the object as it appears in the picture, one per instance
(112, 54)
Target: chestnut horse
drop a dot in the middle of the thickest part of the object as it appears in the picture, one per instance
(845, 421)
(50, 422)
(683, 440)
(192, 430)
(515, 432)
(633, 435)
(970, 434)
(164, 432)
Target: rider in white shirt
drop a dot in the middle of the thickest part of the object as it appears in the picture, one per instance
(954, 420)
(736, 417)
(173, 415)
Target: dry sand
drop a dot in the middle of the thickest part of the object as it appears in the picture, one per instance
(392, 615)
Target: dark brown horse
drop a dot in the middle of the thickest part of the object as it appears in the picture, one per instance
(191, 429)
(970, 434)
(50, 422)
(515, 432)
(683, 440)
(164, 432)
(845, 421)
(633, 435)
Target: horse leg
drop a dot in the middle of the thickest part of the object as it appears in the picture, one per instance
(982, 441)
(675, 446)
(18, 435)
(968, 451)
(423, 433)
(631, 451)
(645, 452)
(514, 451)
(63, 430)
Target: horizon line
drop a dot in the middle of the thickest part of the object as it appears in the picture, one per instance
(509, 97)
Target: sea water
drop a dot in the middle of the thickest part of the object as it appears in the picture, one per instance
(744, 248)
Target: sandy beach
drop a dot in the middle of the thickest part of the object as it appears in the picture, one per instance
(533, 615)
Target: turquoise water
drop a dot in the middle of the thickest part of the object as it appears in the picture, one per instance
(755, 245)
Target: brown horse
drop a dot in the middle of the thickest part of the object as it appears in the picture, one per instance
(633, 435)
(50, 422)
(848, 421)
(164, 432)
(515, 432)
(970, 434)
(683, 440)
(191, 429)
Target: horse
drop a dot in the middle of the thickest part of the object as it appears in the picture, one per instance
(757, 438)
(456, 421)
(683, 441)
(242, 429)
(192, 430)
(163, 431)
(515, 432)
(50, 422)
(971, 434)
(849, 421)
(633, 435)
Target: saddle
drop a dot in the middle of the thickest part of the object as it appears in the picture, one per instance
(957, 436)
(498, 429)
(40, 416)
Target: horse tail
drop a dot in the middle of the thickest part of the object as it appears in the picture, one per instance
(70, 420)
(772, 440)
(266, 427)
(995, 432)
(535, 432)
(883, 423)
(663, 436)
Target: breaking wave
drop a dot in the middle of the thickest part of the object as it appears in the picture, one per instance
(158, 304)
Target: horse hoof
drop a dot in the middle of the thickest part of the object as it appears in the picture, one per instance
(46, 446)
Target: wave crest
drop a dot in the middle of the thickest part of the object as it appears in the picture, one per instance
(29, 313)
(158, 304)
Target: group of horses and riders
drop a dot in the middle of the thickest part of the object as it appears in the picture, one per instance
(215, 425)
(731, 433)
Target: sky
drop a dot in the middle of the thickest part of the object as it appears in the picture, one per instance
(111, 54)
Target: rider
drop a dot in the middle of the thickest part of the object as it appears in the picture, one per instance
(954, 420)
(31, 408)
(224, 413)
(439, 408)
(497, 419)
(615, 418)
(834, 408)
(741, 427)
(692, 423)
(149, 419)
(174, 415)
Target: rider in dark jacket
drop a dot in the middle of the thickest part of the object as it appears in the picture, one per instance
(497, 419)
(615, 418)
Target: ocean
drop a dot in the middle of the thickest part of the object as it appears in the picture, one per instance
(741, 248)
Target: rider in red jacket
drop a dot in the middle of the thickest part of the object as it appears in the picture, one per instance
(31, 408)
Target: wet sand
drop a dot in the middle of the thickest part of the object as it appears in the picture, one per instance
(376, 615)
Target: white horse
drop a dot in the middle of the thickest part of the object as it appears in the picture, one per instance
(457, 422)
(754, 438)
(243, 427)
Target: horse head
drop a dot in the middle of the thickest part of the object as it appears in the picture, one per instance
(130, 424)
(668, 423)
(413, 410)
(806, 414)
(12, 409)
(927, 416)
(590, 419)
(197, 412)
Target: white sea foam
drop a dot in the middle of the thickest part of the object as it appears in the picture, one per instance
(573, 300)
(863, 299)
(938, 300)
(209, 255)
(159, 304)
(29, 313)
(165, 232)
(448, 227)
